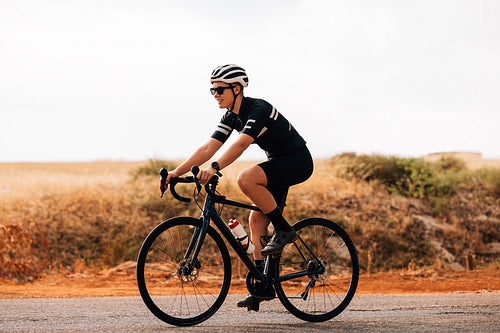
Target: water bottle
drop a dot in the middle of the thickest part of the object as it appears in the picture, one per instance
(241, 235)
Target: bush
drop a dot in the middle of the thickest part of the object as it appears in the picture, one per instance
(152, 168)
(452, 164)
(405, 176)
(381, 168)
(18, 258)
(491, 177)
(408, 177)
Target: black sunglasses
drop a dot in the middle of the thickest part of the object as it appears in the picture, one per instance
(219, 90)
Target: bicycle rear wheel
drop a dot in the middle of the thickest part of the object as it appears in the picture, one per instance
(171, 291)
(322, 295)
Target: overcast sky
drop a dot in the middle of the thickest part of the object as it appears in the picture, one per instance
(128, 80)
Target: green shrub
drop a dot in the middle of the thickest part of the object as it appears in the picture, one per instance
(409, 177)
(491, 177)
(417, 179)
(373, 167)
(405, 176)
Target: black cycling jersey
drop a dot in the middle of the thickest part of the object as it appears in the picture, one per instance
(259, 119)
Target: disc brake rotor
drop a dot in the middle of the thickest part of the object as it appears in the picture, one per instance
(185, 274)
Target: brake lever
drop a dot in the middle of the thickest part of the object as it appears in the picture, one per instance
(163, 181)
(198, 186)
(173, 182)
(195, 171)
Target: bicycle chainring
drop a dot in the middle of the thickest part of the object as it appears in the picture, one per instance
(251, 282)
(257, 288)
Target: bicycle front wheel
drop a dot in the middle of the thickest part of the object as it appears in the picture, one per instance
(175, 292)
(329, 255)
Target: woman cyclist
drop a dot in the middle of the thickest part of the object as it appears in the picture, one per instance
(266, 184)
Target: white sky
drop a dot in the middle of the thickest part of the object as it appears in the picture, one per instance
(128, 80)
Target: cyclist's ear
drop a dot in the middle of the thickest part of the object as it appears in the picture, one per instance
(237, 89)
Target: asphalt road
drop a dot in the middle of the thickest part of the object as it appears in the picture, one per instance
(366, 313)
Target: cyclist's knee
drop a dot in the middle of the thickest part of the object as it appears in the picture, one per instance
(246, 181)
(242, 181)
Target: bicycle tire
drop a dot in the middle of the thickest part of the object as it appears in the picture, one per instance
(319, 297)
(171, 294)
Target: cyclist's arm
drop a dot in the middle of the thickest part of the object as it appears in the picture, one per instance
(235, 150)
(229, 156)
(200, 156)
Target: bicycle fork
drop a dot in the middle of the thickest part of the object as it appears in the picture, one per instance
(190, 259)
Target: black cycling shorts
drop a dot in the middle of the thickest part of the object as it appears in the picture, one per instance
(286, 170)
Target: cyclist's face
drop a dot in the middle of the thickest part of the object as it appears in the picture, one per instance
(226, 99)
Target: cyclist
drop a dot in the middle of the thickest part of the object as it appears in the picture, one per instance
(266, 184)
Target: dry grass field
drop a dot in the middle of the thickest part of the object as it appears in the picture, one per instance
(73, 217)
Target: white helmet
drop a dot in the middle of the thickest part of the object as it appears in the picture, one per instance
(230, 74)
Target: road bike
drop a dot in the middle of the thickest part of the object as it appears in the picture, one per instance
(184, 267)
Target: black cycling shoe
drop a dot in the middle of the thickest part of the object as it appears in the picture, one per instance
(278, 242)
(252, 301)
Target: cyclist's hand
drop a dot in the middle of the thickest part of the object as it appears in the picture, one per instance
(170, 175)
(205, 175)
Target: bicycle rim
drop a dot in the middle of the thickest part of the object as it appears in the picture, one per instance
(319, 296)
(172, 292)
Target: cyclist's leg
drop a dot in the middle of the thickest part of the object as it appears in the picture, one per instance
(258, 227)
(259, 223)
(276, 173)
(253, 182)
(280, 197)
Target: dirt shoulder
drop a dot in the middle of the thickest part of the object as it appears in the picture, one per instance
(123, 283)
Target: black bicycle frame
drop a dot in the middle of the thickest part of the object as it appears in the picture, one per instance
(210, 214)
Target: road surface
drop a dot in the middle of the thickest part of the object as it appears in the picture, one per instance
(366, 313)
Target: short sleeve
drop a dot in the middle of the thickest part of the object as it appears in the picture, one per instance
(224, 128)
